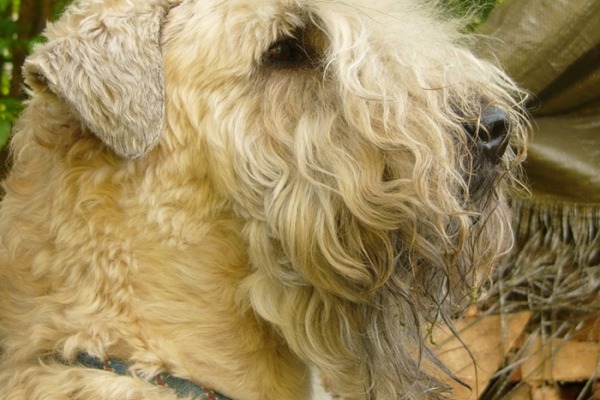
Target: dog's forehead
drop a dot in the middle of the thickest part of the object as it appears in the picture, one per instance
(236, 33)
(263, 20)
(229, 29)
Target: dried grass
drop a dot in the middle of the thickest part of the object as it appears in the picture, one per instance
(554, 272)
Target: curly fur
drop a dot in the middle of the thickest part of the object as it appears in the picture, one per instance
(178, 202)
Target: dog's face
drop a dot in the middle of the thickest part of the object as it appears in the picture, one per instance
(367, 151)
(362, 145)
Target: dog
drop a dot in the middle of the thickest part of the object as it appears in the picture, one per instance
(250, 199)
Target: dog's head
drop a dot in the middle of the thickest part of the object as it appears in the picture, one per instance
(365, 148)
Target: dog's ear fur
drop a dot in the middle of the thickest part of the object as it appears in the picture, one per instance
(105, 62)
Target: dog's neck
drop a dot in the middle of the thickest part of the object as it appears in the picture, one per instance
(191, 289)
(182, 387)
(163, 279)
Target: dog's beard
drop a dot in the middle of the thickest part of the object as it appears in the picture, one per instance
(352, 282)
(364, 224)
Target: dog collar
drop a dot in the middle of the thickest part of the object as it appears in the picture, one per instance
(182, 387)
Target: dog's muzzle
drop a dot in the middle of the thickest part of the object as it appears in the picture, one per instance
(491, 133)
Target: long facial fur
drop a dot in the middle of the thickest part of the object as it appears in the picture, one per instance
(354, 179)
(351, 180)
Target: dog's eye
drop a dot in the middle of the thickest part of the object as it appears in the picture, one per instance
(287, 53)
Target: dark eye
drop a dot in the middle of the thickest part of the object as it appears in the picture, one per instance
(287, 53)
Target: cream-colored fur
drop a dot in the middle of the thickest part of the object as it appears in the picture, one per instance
(188, 197)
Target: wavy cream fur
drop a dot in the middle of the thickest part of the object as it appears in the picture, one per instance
(188, 208)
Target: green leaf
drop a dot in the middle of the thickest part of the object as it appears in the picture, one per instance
(10, 108)
(9, 112)
(477, 11)
(5, 129)
(4, 4)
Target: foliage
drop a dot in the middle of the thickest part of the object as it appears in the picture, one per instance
(9, 108)
(21, 22)
(476, 11)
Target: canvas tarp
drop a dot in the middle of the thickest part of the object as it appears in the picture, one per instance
(552, 49)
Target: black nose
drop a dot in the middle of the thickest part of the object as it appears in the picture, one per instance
(491, 134)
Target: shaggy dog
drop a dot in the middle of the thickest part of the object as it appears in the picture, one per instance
(230, 194)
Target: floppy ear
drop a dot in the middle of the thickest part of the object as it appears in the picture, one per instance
(105, 62)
